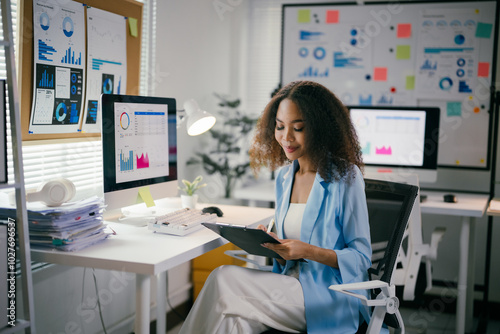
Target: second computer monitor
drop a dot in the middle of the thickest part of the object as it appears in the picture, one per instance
(398, 139)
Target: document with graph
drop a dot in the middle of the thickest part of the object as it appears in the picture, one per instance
(59, 66)
(107, 62)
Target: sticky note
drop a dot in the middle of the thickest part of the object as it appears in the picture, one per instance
(483, 69)
(410, 82)
(403, 52)
(332, 16)
(483, 30)
(403, 30)
(380, 74)
(132, 24)
(304, 16)
(144, 195)
(453, 109)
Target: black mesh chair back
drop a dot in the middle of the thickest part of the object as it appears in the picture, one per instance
(389, 208)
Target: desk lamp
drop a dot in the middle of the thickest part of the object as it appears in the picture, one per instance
(198, 120)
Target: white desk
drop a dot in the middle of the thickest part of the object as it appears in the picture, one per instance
(493, 212)
(469, 207)
(147, 254)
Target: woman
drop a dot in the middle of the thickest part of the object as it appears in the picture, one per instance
(321, 217)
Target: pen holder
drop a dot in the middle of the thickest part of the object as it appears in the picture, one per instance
(189, 201)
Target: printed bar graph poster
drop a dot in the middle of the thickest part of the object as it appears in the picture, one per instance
(59, 66)
(436, 54)
(107, 62)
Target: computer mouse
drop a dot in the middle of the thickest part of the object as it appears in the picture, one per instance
(213, 209)
(450, 198)
(423, 198)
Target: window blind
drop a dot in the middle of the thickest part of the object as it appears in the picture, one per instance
(264, 45)
(79, 160)
(148, 51)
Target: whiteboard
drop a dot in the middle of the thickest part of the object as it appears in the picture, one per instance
(414, 54)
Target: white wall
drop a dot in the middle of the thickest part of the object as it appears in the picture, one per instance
(198, 54)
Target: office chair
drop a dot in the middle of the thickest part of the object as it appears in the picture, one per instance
(414, 256)
(389, 207)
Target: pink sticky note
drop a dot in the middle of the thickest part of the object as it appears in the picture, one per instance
(380, 74)
(332, 16)
(404, 30)
(483, 69)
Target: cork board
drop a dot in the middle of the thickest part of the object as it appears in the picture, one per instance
(128, 8)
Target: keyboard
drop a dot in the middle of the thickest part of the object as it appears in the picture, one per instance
(181, 222)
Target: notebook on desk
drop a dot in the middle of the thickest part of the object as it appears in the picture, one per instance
(247, 238)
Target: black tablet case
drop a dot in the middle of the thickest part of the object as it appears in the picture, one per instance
(248, 239)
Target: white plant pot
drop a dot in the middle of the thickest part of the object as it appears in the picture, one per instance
(189, 201)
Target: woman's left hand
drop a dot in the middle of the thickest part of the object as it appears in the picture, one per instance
(290, 249)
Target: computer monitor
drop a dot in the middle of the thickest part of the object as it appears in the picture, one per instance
(401, 140)
(139, 145)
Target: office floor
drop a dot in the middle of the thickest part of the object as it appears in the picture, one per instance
(419, 321)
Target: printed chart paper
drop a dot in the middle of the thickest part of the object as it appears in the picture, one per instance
(59, 66)
(107, 62)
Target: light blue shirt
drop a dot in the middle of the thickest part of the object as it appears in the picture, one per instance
(335, 217)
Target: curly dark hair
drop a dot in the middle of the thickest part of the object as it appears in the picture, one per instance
(331, 140)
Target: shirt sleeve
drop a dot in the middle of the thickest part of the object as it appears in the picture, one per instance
(354, 259)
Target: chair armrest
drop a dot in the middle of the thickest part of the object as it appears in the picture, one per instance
(387, 291)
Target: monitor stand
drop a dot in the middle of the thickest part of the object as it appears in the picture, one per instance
(388, 173)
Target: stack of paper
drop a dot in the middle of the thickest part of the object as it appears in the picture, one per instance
(69, 227)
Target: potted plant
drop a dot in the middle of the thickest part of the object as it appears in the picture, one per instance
(190, 199)
(225, 158)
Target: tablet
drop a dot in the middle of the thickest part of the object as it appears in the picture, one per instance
(247, 238)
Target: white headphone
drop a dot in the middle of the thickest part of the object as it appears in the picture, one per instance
(53, 192)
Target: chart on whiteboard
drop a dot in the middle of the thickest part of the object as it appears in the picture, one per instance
(446, 61)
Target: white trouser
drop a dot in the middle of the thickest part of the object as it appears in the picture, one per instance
(242, 300)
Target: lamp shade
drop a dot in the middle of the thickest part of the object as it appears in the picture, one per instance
(198, 121)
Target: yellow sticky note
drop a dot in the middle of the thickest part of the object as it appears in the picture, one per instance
(410, 82)
(304, 16)
(144, 195)
(132, 24)
(403, 52)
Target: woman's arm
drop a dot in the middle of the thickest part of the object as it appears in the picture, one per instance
(290, 249)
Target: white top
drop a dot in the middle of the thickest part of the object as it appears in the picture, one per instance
(293, 221)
